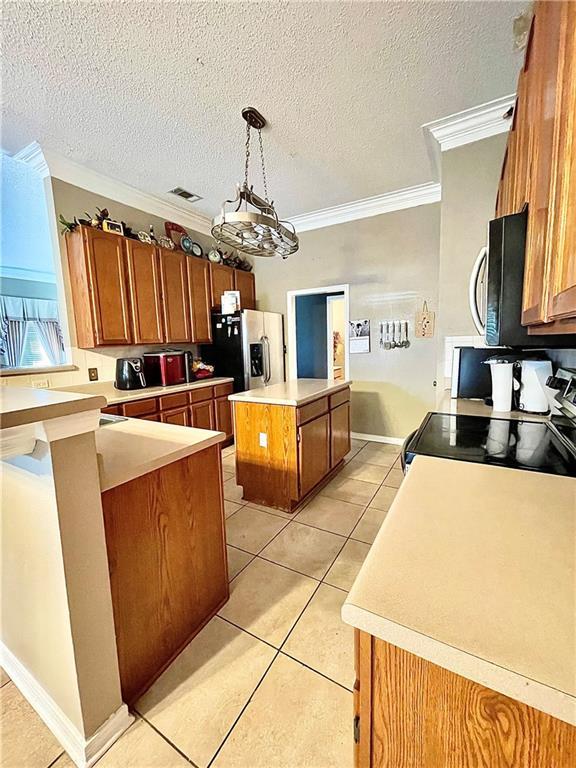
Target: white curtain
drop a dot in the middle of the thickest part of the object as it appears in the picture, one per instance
(15, 312)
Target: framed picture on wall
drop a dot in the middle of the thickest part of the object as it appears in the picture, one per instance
(359, 335)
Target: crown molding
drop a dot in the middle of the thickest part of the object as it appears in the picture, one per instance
(465, 127)
(49, 163)
(410, 197)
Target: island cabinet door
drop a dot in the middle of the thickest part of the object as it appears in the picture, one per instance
(175, 295)
(313, 452)
(200, 301)
(145, 292)
(223, 412)
(202, 415)
(108, 287)
(339, 433)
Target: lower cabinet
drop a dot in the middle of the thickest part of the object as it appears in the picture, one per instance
(158, 610)
(202, 415)
(339, 433)
(313, 452)
(205, 407)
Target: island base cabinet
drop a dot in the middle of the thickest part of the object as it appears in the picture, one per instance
(410, 713)
(167, 560)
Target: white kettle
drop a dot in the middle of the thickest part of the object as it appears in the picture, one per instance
(533, 377)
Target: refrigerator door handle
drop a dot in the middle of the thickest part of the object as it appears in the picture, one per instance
(268, 374)
(265, 360)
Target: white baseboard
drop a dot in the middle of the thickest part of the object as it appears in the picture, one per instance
(377, 438)
(83, 752)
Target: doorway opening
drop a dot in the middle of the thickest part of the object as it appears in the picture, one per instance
(318, 343)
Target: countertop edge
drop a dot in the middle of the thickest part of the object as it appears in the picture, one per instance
(542, 697)
(122, 476)
(244, 397)
(128, 395)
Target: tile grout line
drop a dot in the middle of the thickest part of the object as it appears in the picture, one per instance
(166, 739)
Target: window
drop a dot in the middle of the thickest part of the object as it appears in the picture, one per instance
(30, 331)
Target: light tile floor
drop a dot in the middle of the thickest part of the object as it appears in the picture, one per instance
(268, 682)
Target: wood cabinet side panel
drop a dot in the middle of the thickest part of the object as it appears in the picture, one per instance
(423, 715)
(223, 414)
(168, 572)
(82, 306)
(269, 475)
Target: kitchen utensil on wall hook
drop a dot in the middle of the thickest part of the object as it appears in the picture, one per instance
(387, 344)
(381, 335)
(406, 342)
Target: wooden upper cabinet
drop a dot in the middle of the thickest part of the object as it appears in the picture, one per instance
(99, 288)
(145, 292)
(245, 283)
(221, 279)
(199, 299)
(174, 281)
(562, 213)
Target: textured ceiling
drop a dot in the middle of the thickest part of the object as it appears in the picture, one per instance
(151, 92)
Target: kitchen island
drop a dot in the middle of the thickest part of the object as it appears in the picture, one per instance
(290, 438)
(464, 613)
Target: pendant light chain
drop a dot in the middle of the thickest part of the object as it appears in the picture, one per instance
(247, 161)
(266, 197)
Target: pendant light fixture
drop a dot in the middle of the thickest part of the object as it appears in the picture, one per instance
(256, 232)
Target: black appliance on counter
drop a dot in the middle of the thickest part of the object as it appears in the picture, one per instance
(540, 446)
(129, 373)
(496, 287)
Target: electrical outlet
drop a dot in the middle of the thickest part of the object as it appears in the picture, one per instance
(263, 440)
(41, 384)
(93, 374)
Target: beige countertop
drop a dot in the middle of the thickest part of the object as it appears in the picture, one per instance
(470, 407)
(132, 448)
(25, 405)
(114, 396)
(295, 392)
(473, 569)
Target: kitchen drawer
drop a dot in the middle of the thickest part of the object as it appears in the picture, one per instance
(223, 389)
(339, 397)
(137, 408)
(177, 400)
(312, 410)
(201, 394)
(113, 410)
(151, 417)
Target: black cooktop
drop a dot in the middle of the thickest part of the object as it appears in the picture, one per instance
(502, 442)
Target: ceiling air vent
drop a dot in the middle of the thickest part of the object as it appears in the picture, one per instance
(185, 195)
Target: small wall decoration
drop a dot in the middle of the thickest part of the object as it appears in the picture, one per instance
(359, 335)
(113, 226)
(425, 320)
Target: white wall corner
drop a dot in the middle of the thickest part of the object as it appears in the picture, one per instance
(465, 127)
(409, 197)
(49, 163)
(84, 752)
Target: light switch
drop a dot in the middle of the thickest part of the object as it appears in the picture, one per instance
(263, 440)
(41, 384)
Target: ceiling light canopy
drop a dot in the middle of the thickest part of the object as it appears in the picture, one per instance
(257, 232)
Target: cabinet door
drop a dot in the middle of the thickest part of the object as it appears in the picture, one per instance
(221, 279)
(339, 433)
(145, 293)
(541, 94)
(200, 299)
(246, 284)
(562, 230)
(174, 280)
(108, 287)
(176, 416)
(202, 415)
(313, 452)
(223, 410)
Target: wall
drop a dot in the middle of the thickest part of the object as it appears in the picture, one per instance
(73, 201)
(25, 239)
(311, 336)
(391, 264)
(470, 176)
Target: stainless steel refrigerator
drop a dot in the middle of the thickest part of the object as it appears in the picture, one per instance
(248, 346)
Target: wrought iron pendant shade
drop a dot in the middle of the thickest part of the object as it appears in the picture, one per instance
(256, 232)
